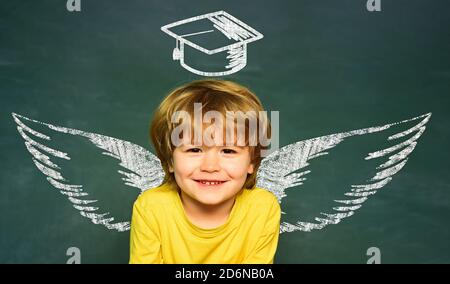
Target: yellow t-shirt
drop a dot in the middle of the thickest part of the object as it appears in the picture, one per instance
(162, 233)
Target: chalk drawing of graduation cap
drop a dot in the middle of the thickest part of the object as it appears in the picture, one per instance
(219, 35)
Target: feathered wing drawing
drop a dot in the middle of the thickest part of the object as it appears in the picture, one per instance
(141, 169)
(282, 169)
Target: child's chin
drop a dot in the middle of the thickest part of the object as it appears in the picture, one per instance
(211, 200)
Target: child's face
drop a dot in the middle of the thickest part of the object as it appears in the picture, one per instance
(193, 166)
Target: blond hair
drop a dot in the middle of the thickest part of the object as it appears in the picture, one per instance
(218, 95)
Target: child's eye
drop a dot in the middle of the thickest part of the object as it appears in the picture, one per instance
(229, 151)
(194, 150)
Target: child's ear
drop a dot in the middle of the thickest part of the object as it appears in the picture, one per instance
(171, 165)
(250, 169)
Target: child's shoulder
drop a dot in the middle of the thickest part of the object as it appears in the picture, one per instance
(161, 195)
(259, 196)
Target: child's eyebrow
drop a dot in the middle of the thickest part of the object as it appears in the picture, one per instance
(241, 147)
(222, 146)
(189, 145)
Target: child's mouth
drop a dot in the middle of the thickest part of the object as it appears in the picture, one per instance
(210, 182)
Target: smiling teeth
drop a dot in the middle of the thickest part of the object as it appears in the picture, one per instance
(211, 182)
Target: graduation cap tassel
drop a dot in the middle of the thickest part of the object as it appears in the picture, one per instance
(177, 54)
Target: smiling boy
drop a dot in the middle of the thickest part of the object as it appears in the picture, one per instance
(208, 208)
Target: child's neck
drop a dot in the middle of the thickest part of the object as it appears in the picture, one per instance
(206, 216)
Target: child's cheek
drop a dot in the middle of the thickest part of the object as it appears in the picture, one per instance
(235, 169)
(183, 166)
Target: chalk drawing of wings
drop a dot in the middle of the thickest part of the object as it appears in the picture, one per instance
(278, 171)
(141, 169)
(288, 167)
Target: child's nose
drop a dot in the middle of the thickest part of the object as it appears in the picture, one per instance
(210, 162)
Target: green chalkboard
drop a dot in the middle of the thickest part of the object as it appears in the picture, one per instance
(326, 66)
